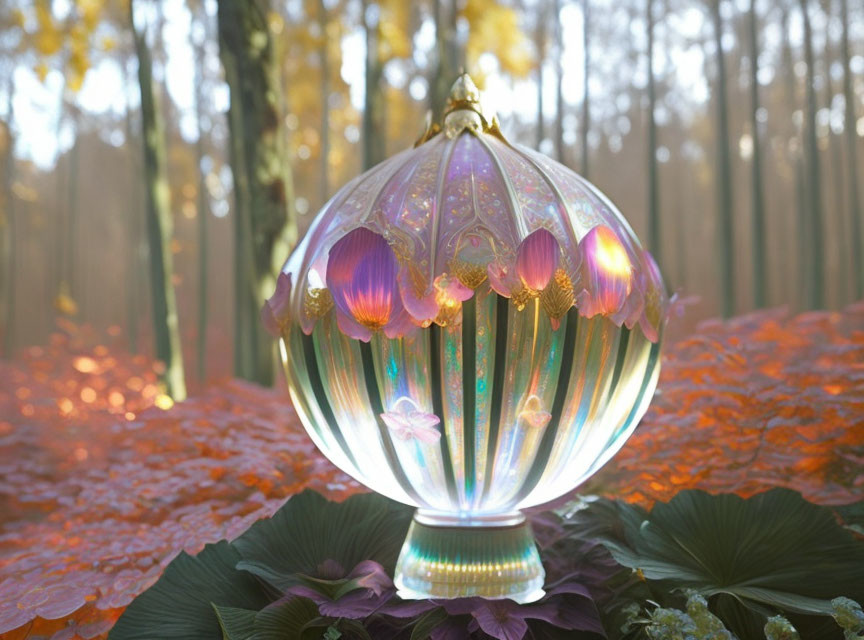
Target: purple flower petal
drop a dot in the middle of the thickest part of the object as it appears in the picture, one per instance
(607, 273)
(537, 259)
(361, 277)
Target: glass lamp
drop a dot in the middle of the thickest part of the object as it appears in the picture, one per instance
(472, 329)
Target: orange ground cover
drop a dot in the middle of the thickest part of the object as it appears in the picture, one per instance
(102, 482)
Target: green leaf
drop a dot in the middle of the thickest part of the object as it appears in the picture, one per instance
(180, 604)
(427, 623)
(309, 532)
(237, 624)
(774, 550)
(853, 516)
(285, 619)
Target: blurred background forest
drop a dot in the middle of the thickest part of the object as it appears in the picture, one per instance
(729, 132)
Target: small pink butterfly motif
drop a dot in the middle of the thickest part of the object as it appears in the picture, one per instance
(407, 421)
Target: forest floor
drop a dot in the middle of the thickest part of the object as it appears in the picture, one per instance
(103, 481)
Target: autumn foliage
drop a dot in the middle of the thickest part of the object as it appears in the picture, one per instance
(103, 482)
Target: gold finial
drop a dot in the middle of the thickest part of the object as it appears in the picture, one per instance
(464, 94)
(463, 111)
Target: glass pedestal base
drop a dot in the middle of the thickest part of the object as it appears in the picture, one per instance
(491, 557)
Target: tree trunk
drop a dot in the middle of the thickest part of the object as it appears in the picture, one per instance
(133, 242)
(760, 249)
(654, 239)
(159, 226)
(7, 226)
(816, 269)
(559, 84)
(265, 227)
(72, 269)
(449, 56)
(850, 136)
(835, 207)
(796, 197)
(324, 63)
(725, 221)
(373, 102)
(540, 47)
(586, 102)
(203, 204)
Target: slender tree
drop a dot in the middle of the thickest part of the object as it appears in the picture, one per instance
(815, 282)
(654, 239)
(373, 102)
(559, 83)
(133, 240)
(7, 223)
(159, 224)
(540, 48)
(835, 209)
(850, 134)
(449, 57)
(203, 200)
(586, 96)
(725, 221)
(760, 248)
(264, 223)
(324, 63)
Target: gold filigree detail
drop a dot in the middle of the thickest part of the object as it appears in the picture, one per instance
(521, 297)
(430, 130)
(557, 297)
(469, 274)
(317, 303)
(653, 306)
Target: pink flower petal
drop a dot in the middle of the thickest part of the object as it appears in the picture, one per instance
(352, 329)
(537, 259)
(407, 421)
(502, 278)
(275, 311)
(606, 272)
(426, 435)
(421, 306)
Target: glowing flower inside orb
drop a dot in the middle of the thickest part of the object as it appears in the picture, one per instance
(534, 414)
(607, 273)
(407, 421)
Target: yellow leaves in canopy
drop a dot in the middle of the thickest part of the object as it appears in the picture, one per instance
(48, 38)
(41, 70)
(275, 22)
(18, 18)
(90, 11)
(494, 28)
(69, 40)
(394, 30)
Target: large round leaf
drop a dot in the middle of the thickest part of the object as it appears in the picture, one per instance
(312, 536)
(773, 550)
(180, 604)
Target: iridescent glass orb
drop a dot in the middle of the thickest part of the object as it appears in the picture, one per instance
(470, 328)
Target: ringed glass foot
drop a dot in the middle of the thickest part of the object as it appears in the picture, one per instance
(488, 556)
